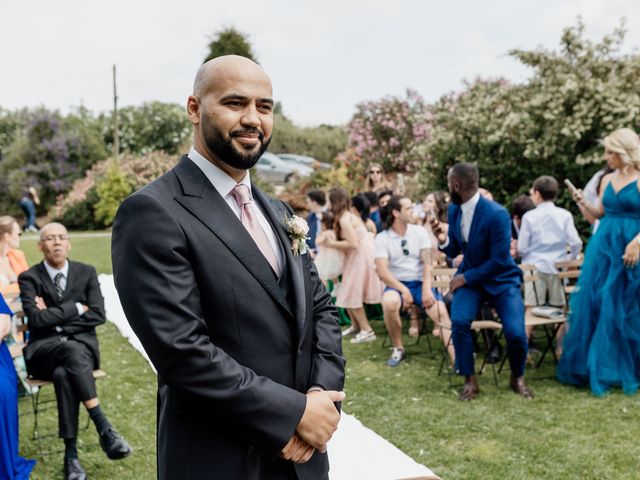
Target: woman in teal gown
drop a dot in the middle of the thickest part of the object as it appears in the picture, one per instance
(602, 345)
(12, 466)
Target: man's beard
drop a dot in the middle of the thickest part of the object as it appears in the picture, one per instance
(226, 152)
(455, 197)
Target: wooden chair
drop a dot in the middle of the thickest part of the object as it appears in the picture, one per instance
(551, 326)
(569, 272)
(440, 279)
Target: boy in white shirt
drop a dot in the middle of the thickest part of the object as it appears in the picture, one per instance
(403, 262)
(545, 234)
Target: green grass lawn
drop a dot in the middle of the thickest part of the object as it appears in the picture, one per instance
(564, 433)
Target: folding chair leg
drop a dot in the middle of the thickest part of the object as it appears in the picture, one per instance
(551, 335)
(489, 344)
(35, 403)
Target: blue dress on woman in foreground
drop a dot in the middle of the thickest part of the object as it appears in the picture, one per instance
(602, 345)
(12, 467)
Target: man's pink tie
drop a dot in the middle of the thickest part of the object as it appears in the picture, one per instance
(250, 221)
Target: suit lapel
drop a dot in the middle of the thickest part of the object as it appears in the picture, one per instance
(49, 286)
(204, 202)
(477, 217)
(277, 217)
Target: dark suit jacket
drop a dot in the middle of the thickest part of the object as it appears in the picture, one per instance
(82, 287)
(487, 262)
(234, 355)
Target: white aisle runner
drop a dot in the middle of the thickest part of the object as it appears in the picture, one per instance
(355, 452)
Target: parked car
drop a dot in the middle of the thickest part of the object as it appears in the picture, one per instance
(274, 169)
(295, 159)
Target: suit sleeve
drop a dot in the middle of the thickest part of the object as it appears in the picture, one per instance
(93, 299)
(499, 256)
(160, 297)
(327, 368)
(55, 316)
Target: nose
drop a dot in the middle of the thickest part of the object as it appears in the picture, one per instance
(250, 117)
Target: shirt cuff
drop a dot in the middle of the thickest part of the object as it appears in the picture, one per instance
(80, 308)
(315, 388)
(444, 245)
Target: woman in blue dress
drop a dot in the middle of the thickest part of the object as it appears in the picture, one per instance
(602, 345)
(12, 466)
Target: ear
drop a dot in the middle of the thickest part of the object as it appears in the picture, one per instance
(193, 109)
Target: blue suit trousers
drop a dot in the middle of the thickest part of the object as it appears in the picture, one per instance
(465, 308)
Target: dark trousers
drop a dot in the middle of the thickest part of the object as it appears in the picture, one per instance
(465, 308)
(69, 364)
(29, 208)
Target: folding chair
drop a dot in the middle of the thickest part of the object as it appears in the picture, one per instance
(551, 326)
(569, 272)
(35, 385)
(440, 279)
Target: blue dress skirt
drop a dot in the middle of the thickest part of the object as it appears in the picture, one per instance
(12, 466)
(602, 346)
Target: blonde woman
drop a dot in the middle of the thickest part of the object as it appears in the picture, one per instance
(12, 260)
(603, 338)
(375, 180)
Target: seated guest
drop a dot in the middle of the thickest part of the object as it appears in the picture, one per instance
(12, 261)
(545, 234)
(480, 230)
(63, 303)
(403, 262)
(374, 210)
(12, 466)
(316, 203)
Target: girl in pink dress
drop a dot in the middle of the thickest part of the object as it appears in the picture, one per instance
(360, 282)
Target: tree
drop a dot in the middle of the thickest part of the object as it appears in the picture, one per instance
(229, 42)
(392, 131)
(552, 124)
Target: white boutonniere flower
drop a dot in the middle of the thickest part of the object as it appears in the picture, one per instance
(298, 229)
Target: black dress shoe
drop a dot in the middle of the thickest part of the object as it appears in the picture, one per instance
(113, 444)
(73, 470)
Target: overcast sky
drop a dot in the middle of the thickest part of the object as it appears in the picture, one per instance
(324, 57)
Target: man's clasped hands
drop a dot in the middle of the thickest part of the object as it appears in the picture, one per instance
(318, 424)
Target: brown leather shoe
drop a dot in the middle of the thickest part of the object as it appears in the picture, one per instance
(470, 390)
(518, 386)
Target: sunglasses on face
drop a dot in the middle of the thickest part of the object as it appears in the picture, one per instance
(405, 250)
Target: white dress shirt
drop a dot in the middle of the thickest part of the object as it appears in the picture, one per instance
(63, 281)
(224, 184)
(468, 208)
(545, 233)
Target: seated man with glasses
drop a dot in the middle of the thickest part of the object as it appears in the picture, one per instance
(63, 303)
(403, 262)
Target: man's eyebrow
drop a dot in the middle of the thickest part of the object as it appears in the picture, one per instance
(237, 96)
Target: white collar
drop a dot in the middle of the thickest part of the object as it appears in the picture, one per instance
(220, 180)
(470, 205)
(53, 272)
(546, 204)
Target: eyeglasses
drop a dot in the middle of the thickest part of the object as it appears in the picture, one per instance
(52, 238)
(371, 172)
(405, 250)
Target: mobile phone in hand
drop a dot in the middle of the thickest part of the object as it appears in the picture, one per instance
(572, 188)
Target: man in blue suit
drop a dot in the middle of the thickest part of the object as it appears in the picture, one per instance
(480, 230)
